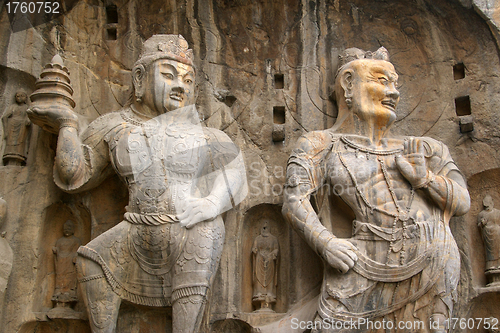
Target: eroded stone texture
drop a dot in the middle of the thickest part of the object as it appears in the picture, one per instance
(7, 255)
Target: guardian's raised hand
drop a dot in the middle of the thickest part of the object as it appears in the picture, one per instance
(412, 164)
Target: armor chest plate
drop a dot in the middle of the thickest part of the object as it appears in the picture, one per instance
(159, 162)
(159, 151)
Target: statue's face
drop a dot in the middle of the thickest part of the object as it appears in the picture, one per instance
(20, 97)
(68, 229)
(488, 201)
(374, 93)
(172, 85)
(265, 229)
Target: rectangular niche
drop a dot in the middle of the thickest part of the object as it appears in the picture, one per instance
(462, 106)
(458, 71)
(111, 14)
(111, 34)
(279, 81)
(279, 115)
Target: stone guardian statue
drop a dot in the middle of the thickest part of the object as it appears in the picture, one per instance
(489, 222)
(16, 131)
(401, 263)
(265, 251)
(180, 176)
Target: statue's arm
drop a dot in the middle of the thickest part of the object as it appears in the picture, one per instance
(229, 186)
(4, 122)
(450, 192)
(297, 209)
(82, 160)
(69, 164)
(427, 165)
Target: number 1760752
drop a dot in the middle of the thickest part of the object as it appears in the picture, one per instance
(38, 7)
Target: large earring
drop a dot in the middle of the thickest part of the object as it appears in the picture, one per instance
(348, 102)
(138, 97)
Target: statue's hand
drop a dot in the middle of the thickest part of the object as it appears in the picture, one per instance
(412, 163)
(340, 254)
(50, 118)
(198, 210)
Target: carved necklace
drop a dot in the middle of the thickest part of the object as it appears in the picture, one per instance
(401, 215)
(133, 117)
(368, 151)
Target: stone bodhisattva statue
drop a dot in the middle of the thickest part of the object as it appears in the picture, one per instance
(180, 176)
(16, 131)
(402, 262)
(265, 251)
(489, 222)
(64, 260)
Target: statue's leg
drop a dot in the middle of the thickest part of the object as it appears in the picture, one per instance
(194, 274)
(101, 301)
(439, 316)
(187, 313)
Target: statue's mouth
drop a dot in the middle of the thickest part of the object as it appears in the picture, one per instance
(391, 104)
(176, 96)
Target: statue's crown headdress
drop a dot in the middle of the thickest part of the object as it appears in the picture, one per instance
(173, 47)
(354, 53)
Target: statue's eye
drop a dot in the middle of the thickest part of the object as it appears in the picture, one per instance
(188, 81)
(383, 80)
(169, 76)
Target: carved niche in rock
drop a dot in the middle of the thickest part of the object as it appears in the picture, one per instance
(180, 175)
(489, 222)
(16, 131)
(265, 252)
(402, 190)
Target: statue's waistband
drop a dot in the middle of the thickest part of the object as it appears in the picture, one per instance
(150, 219)
(369, 231)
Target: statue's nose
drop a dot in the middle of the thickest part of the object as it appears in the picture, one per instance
(393, 92)
(179, 88)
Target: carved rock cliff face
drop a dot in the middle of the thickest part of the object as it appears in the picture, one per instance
(264, 71)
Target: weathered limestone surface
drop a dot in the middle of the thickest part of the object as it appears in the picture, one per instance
(241, 49)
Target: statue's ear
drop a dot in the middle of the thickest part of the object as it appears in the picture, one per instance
(346, 79)
(138, 79)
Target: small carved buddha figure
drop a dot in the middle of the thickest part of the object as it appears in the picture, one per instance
(65, 259)
(489, 222)
(265, 252)
(16, 131)
(6, 255)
